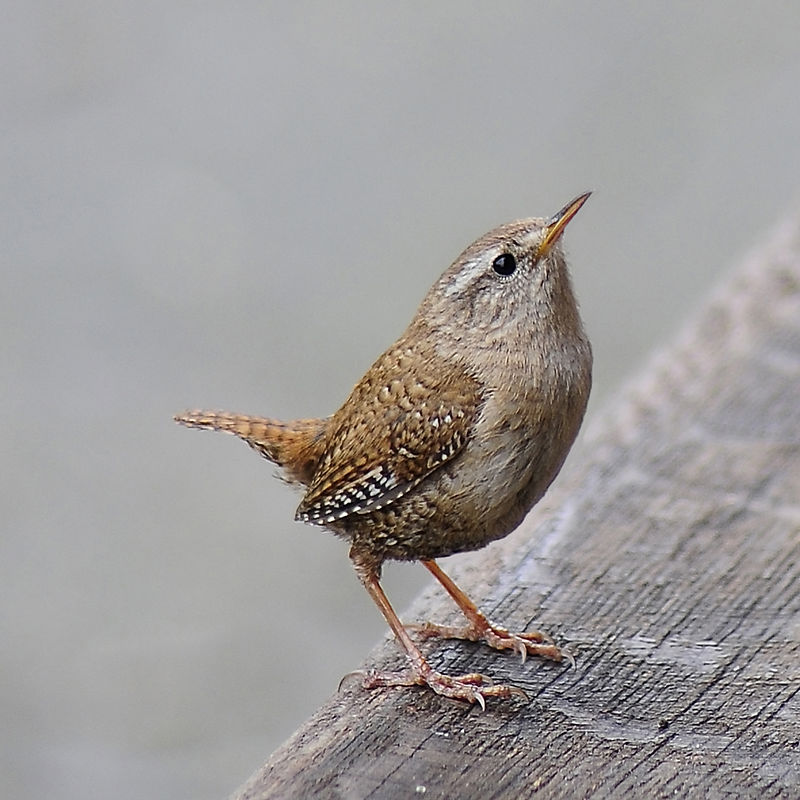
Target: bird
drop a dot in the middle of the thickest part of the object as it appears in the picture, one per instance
(450, 437)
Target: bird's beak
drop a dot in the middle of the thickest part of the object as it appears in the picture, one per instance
(556, 224)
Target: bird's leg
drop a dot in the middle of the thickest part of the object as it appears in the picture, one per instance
(473, 687)
(482, 629)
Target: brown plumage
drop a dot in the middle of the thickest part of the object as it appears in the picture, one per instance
(452, 434)
(296, 446)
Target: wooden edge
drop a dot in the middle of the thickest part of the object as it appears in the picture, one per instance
(667, 557)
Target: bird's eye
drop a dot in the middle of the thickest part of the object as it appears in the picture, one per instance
(504, 264)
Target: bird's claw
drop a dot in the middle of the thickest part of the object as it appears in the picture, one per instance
(534, 643)
(472, 687)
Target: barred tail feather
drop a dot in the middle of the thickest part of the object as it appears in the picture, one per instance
(295, 446)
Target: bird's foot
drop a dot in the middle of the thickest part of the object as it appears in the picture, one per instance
(473, 687)
(534, 643)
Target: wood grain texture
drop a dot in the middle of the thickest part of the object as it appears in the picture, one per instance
(667, 557)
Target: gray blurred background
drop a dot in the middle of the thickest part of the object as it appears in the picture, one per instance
(239, 205)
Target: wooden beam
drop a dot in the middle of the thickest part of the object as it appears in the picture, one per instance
(667, 558)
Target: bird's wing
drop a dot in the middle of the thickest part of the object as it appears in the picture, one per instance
(410, 414)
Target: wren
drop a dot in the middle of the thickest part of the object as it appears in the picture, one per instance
(451, 436)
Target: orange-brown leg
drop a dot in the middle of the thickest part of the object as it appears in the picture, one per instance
(473, 687)
(481, 629)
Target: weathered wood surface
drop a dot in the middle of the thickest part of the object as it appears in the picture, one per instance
(668, 559)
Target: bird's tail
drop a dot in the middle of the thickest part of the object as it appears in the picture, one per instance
(295, 446)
